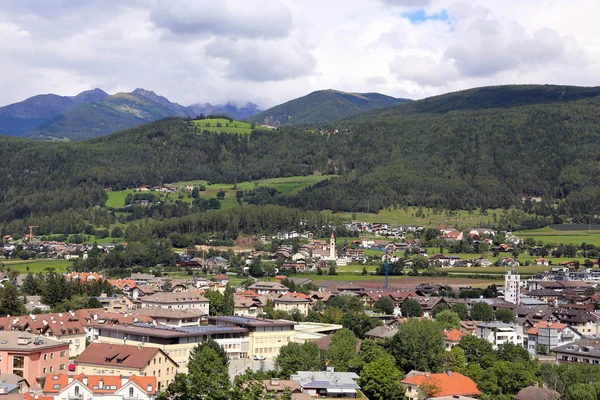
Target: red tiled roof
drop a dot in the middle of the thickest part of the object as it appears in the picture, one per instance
(124, 356)
(453, 335)
(448, 384)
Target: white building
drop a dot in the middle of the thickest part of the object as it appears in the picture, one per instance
(512, 287)
(108, 387)
(498, 333)
(550, 335)
(177, 300)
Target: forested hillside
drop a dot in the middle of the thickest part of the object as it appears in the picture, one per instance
(456, 159)
(323, 106)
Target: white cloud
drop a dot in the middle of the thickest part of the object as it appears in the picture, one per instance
(271, 51)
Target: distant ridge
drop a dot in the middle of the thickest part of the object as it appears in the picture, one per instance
(95, 113)
(323, 106)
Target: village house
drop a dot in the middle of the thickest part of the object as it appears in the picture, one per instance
(292, 301)
(448, 385)
(100, 386)
(452, 338)
(248, 305)
(116, 303)
(127, 360)
(443, 260)
(498, 333)
(172, 317)
(263, 288)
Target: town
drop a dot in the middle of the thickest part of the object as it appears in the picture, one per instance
(138, 336)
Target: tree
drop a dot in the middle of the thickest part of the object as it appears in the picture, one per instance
(294, 357)
(31, 285)
(380, 380)
(418, 345)
(228, 301)
(117, 232)
(448, 319)
(384, 305)
(475, 348)
(411, 308)
(505, 315)
(462, 310)
(10, 304)
(342, 349)
(256, 269)
(359, 323)
(455, 360)
(482, 312)
(215, 302)
(207, 377)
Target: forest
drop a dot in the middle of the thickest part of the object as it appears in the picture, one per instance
(436, 155)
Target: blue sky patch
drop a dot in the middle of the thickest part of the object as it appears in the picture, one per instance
(419, 16)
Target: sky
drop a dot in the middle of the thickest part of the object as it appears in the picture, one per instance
(271, 51)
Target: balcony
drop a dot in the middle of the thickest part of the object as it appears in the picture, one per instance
(72, 396)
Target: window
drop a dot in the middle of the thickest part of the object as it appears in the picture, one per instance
(57, 386)
(51, 368)
(51, 355)
(61, 367)
(62, 353)
(44, 370)
(76, 390)
(130, 392)
(45, 356)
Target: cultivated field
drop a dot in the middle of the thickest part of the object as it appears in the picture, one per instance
(552, 236)
(410, 216)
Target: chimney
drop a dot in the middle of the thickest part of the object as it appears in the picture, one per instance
(449, 372)
(536, 384)
(101, 384)
(85, 380)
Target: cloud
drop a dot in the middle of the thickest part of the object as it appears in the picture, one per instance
(265, 61)
(423, 70)
(408, 3)
(238, 18)
(376, 80)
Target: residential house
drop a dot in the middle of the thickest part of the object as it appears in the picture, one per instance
(221, 279)
(248, 305)
(582, 351)
(179, 300)
(453, 236)
(263, 288)
(328, 383)
(141, 279)
(116, 303)
(444, 261)
(498, 333)
(549, 335)
(446, 384)
(278, 386)
(543, 261)
(584, 322)
(127, 360)
(292, 301)
(535, 392)
(91, 387)
(29, 356)
(452, 338)
(382, 332)
(33, 302)
(216, 263)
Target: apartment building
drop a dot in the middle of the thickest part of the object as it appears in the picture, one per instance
(109, 387)
(498, 333)
(127, 360)
(549, 335)
(176, 300)
(582, 351)
(31, 356)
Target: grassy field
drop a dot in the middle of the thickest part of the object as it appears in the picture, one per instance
(210, 124)
(552, 236)
(408, 216)
(36, 266)
(292, 184)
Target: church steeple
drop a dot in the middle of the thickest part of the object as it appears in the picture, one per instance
(332, 246)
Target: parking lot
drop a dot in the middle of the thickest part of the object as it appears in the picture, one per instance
(237, 367)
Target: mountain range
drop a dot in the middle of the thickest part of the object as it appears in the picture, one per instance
(95, 113)
(483, 147)
(323, 106)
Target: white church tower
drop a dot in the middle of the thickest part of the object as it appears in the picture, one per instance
(512, 287)
(332, 255)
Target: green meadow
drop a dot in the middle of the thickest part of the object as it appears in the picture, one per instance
(36, 266)
(223, 125)
(553, 236)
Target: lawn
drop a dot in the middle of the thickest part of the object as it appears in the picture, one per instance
(408, 216)
(552, 236)
(210, 124)
(36, 266)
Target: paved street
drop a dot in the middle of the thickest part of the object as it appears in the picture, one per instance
(237, 367)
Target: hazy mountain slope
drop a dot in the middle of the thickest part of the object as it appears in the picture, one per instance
(323, 106)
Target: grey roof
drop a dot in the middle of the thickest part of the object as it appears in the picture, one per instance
(381, 332)
(326, 380)
(537, 393)
(589, 347)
